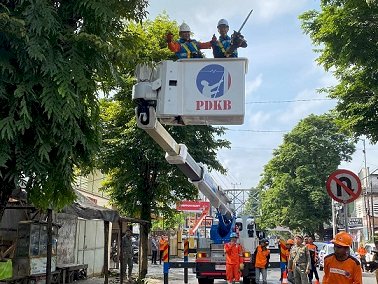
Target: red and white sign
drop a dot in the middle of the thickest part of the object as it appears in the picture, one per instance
(343, 186)
(192, 206)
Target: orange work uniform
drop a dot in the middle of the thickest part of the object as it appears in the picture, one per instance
(233, 260)
(362, 251)
(262, 257)
(341, 272)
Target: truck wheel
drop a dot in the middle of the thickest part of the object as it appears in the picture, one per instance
(205, 281)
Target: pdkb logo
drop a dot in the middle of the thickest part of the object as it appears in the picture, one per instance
(213, 81)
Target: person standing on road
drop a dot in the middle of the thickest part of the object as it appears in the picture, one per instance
(154, 249)
(299, 261)
(233, 252)
(362, 253)
(261, 261)
(340, 267)
(313, 249)
(127, 253)
(162, 243)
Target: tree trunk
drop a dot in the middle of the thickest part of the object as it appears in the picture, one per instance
(321, 232)
(6, 189)
(143, 244)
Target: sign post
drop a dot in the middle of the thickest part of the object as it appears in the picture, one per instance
(344, 186)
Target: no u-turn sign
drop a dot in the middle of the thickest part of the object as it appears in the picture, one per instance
(343, 186)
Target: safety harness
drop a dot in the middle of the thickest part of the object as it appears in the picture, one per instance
(188, 52)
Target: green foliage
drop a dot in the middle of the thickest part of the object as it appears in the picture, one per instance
(346, 32)
(293, 183)
(54, 55)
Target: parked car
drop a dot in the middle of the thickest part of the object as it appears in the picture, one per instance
(328, 249)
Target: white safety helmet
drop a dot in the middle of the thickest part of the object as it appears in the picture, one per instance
(184, 28)
(222, 22)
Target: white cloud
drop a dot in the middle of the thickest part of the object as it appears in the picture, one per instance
(259, 119)
(253, 85)
(308, 102)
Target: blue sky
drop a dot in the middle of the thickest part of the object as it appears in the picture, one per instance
(281, 67)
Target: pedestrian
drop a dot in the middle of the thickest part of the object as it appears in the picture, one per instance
(161, 248)
(127, 254)
(233, 252)
(261, 261)
(340, 267)
(154, 249)
(284, 247)
(226, 46)
(374, 265)
(289, 244)
(299, 261)
(185, 47)
(313, 249)
(362, 253)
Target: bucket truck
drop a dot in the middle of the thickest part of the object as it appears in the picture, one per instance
(198, 92)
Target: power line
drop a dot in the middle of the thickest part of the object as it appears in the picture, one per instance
(287, 101)
(259, 131)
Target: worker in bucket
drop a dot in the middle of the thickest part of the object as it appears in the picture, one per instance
(233, 252)
(185, 47)
(226, 46)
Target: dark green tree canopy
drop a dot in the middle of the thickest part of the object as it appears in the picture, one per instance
(54, 56)
(293, 182)
(346, 32)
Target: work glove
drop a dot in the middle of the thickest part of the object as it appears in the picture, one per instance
(241, 266)
(213, 40)
(237, 39)
(169, 37)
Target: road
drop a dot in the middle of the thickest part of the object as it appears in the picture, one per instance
(176, 276)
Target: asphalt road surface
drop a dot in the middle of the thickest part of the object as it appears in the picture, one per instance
(176, 276)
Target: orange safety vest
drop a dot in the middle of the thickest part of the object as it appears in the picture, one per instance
(161, 244)
(313, 250)
(261, 257)
(361, 251)
(342, 272)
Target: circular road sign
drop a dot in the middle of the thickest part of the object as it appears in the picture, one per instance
(343, 186)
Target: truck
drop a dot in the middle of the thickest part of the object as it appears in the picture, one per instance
(199, 92)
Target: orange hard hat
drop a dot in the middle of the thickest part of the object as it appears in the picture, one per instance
(289, 242)
(342, 239)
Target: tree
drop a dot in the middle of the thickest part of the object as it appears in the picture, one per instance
(293, 182)
(139, 179)
(54, 55)
(346, 32)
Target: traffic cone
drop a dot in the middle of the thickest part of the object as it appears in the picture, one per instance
(284, 278)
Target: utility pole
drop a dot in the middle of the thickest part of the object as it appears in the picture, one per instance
(366, 198)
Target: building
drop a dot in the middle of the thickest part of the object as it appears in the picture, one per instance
(366, 207)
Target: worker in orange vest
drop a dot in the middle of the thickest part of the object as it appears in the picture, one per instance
(340, 267)
(261, 260)
(163, 240)
(362, 253)
(233, 252)
(313, 249)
